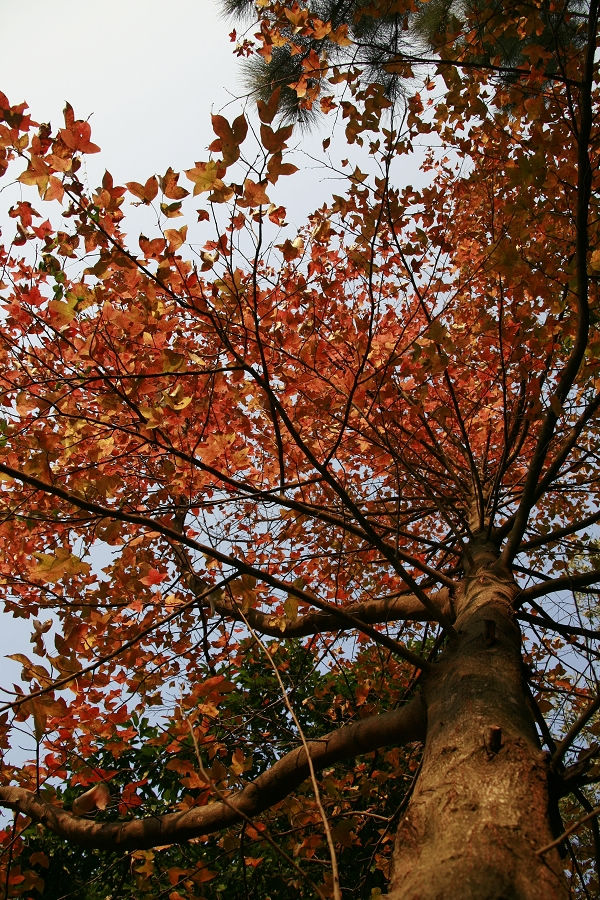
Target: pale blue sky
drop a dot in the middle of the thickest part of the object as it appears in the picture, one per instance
(147, 72)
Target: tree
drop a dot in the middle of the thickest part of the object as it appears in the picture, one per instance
(383, 39)
(377, 436)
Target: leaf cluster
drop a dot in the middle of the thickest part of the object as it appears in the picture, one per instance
(256, 719)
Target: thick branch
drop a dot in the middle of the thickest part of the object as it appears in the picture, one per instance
(372, 612)
(563, 583)
(559, 533)
(398, 726)
(543, 620)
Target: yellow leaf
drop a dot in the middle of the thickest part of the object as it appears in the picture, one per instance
(63, 311)
(238, 763)
(340, 36)
(176, 237)
(154, 417)
(180, 403)
(51, 567)
(205, 176)
(290, 608)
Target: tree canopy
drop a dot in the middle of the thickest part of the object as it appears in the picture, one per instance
(383, 39)
(304, 523)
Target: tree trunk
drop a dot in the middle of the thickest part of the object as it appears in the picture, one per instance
(480, 807)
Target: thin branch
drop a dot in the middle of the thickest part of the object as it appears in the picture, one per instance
(477, 66)
(575, 729)
(583, 800)
(243, 568)
(73, 676)
(555, 843)
(571, 367)
(311, 769)
(246, 819)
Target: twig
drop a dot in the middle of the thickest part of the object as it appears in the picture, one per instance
(334, 866)
(574, 730)
(568, 831)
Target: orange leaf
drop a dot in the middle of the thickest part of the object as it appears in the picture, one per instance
(175, 874)
(254, 194)
(153, 577)
(146, 192)
(176, 237)
(98, 797)
(55, 190)
(267, 111)
(230, 137)
(275, 168)
(169, 186)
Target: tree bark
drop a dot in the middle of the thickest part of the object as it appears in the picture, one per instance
(480, 808)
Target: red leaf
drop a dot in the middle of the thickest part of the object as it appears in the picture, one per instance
(77, 137)
(153, 577)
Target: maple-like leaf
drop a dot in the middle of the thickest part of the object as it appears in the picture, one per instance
(169, 186)
(205, 176)
(145, 192)
(254, 194)
(229, 137)
(53, 567)
(77, 137)
(153, 577)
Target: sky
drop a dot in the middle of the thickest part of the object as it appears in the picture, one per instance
(148, 73)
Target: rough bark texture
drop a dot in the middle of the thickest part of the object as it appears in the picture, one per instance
(479, 810)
